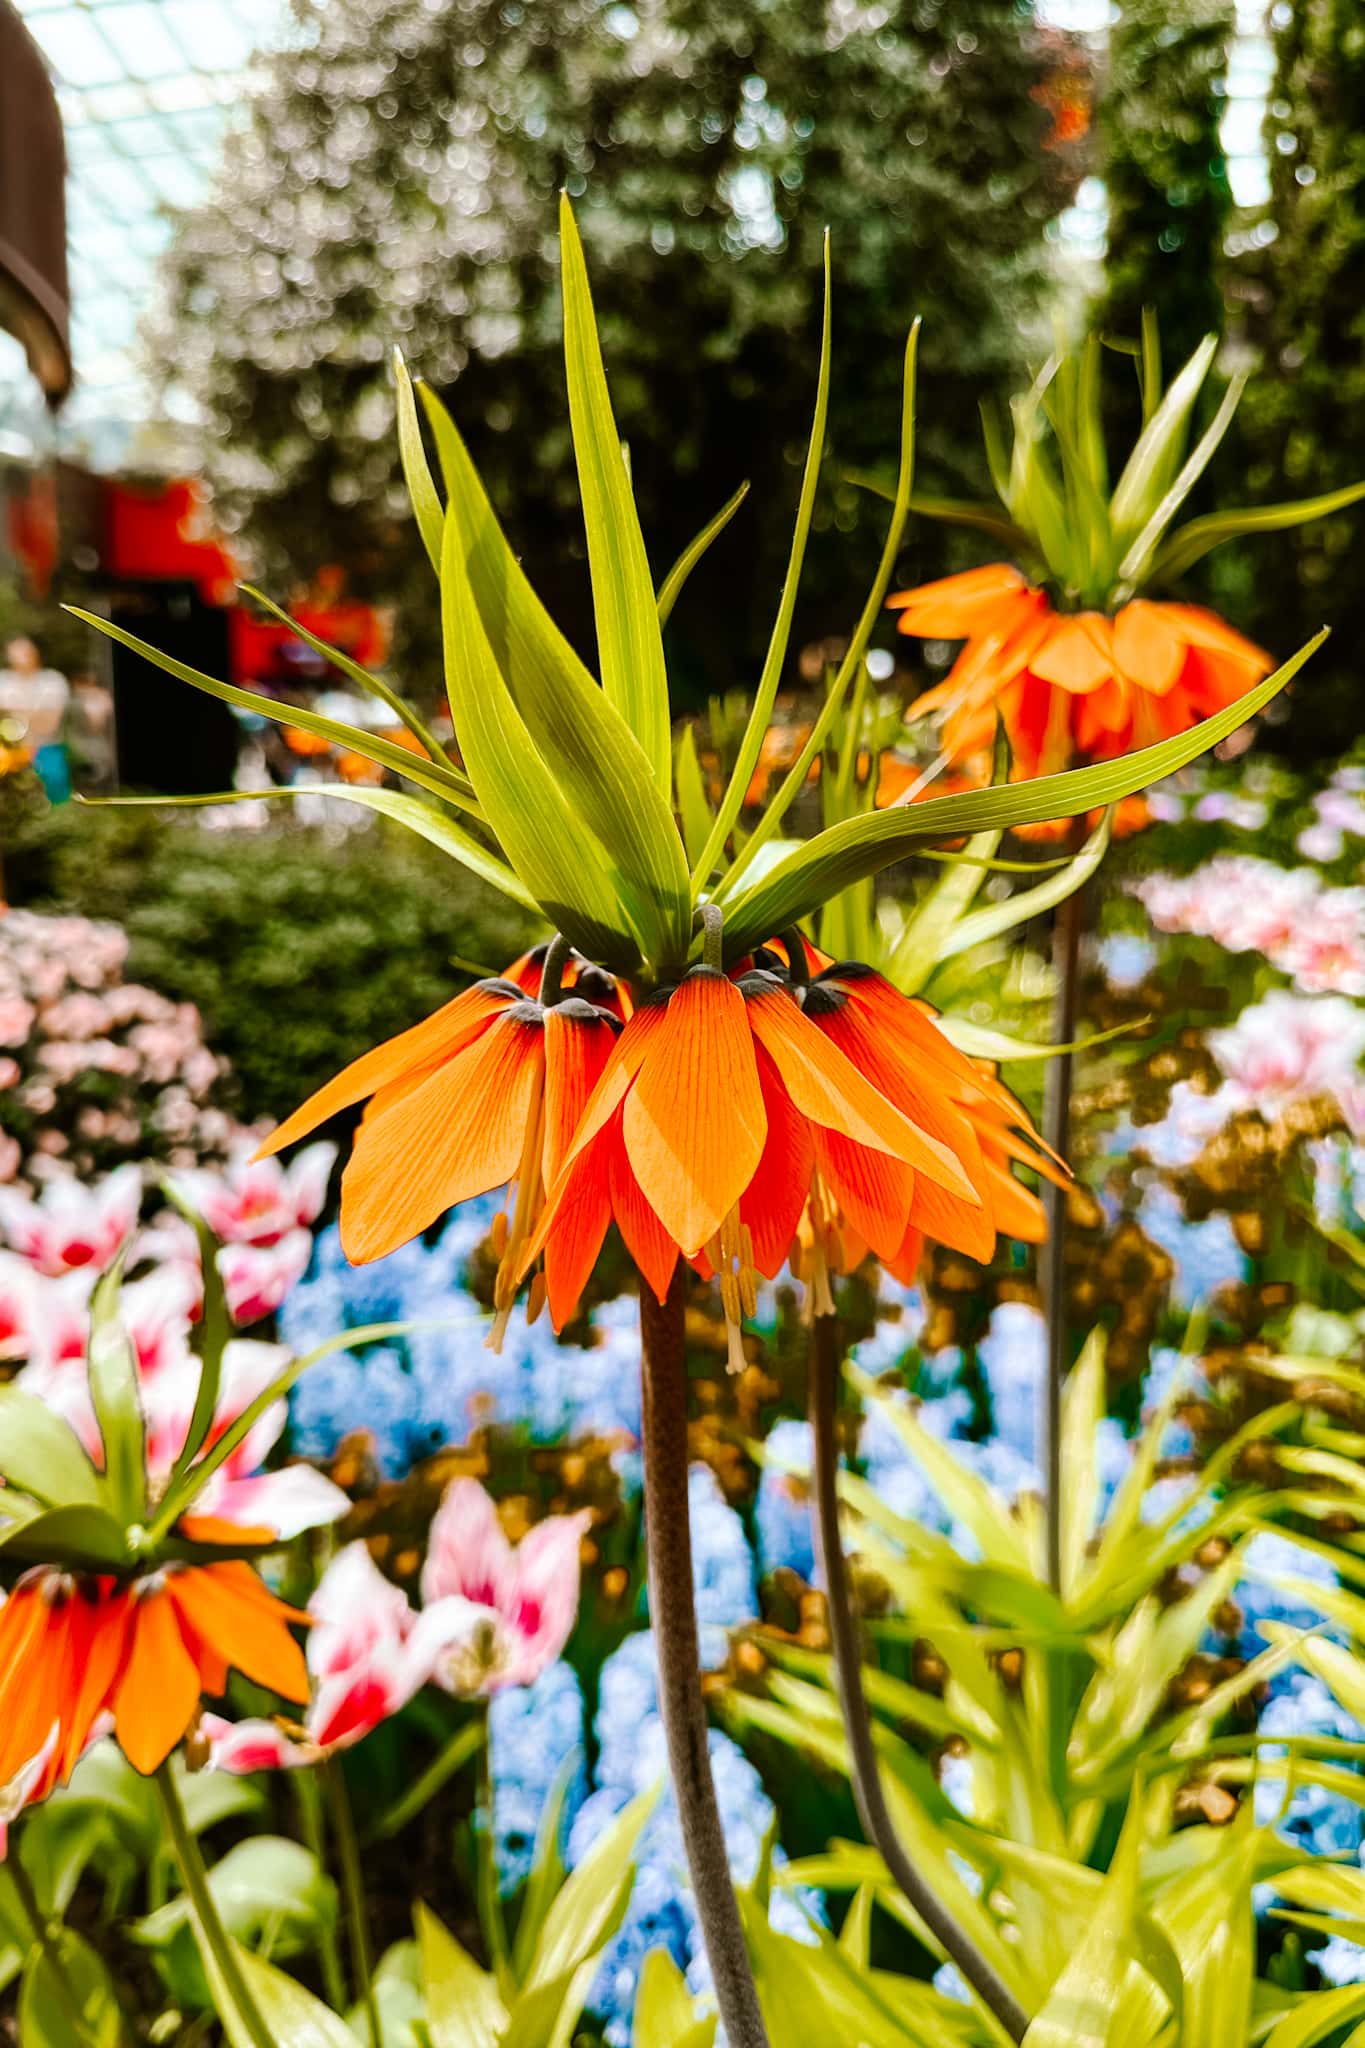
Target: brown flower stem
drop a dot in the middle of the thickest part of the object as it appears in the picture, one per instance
(49, 1948)
(864, 1771)
(215, 1944)
(353, 1894)
(673, 1614)
(1066, 948)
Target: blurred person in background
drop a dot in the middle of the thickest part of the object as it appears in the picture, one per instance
(91, 732)
(35, 699)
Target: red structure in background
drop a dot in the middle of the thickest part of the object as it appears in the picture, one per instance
(162, 533)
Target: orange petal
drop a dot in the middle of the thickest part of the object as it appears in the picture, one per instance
(648, 1243)
(573, 1236)
(158, 1692)
(826, 1087)
(772, 1203)
(1078, 654)
(579, 1041)
(872, 1189)
(459, 1134)
(1202, 628)
(34, 1694)
(246, 1627)
(906, 1264)
(617, 1079)
(693, 1123)
(437, 1037)
(1147, 646)
(212, 1529)
(954, 607)
(106, 1630)
(962, 1226)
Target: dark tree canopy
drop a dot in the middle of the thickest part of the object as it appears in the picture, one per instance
(396, 181)
(1166, 178)
(1304, 416)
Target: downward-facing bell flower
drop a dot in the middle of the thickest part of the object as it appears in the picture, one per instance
(76, 1648)
(1071, 685)
(721, 1113)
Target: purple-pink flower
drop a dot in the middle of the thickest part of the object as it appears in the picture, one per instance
(528, 1590)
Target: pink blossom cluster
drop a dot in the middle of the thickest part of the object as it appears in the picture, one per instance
(1290, 1047)
(1312, 932)
(1339, 815)
(95, 1069)
(493, 1614)
(54, 1246)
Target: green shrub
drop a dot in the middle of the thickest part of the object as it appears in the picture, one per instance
(301, 945)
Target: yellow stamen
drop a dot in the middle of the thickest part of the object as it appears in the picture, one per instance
(731, 1252)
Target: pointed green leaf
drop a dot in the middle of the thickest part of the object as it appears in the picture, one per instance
(1199, 536)
(760, 839)
(418, 816)
(671, 587)
(45, 2017)
(464, 2009)
(864, 846)
(81, 1538)
(694, 811)
(589, 750)
(1135, 564)
(116, 1396)
(980, 1042)
(1320, 2015)
(41, 1454)
(1083, 1408)
(211, 1333)
(951, 511)
(426, 504)
(560, 861)
(995, 919)
(364, 679)
(1157, 451)
(766, 694)
(433, 775)
(923, 935)
(593, 1902)
(630, 645)
(665, 2015)
(294, 2017)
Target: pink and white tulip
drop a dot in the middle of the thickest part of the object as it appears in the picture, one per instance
(260, 1201)
(72, 1227)
(528, 1591)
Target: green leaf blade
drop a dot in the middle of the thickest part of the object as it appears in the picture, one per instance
(629, 641)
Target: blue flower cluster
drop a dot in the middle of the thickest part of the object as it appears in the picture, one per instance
(535, 1745)
(438, 1382)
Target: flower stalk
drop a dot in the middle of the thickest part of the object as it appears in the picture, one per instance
(213, 1937)
(353, 1894)
(673, 1614)
(864, 1771)
(1066, 950)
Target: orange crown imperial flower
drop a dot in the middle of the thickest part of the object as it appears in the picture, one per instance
(1071, 684)
(76, 1648)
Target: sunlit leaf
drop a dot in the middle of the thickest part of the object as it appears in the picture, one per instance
(41, 1454)
(630, 648)
(433, 775)
(671, 587)
(1200, 536)
(116, 1397)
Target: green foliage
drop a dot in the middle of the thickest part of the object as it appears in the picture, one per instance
(708, 147)
(1304, 423)
(1165, 175)
(302, 947)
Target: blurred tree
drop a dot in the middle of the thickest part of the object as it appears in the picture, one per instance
(1303, 421)
(396, 181)
(1166, 178)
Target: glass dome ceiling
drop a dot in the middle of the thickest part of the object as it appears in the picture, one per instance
(146, 88)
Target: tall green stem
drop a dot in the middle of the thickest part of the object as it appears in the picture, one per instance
(49, 1949)
(1066, 949)
(212, 1936)
(673, 1613)
(864, 1770)
(309, 1803)
(353, 1894)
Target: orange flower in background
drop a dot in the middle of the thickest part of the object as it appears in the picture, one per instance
(1071, 685)
(74, 1649)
